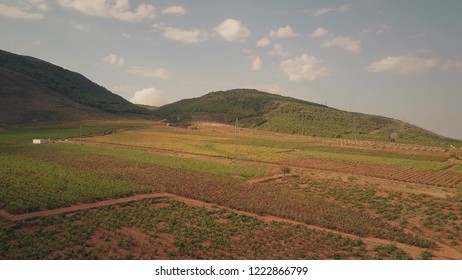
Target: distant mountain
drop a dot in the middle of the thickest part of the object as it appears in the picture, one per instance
(271, 112)
(33, 90)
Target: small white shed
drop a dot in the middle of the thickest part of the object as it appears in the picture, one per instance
(40, 141)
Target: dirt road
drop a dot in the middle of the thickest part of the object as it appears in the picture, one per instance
(444, 252)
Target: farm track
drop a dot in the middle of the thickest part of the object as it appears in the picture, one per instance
(444, 252)
(451, 167)
(270, 178)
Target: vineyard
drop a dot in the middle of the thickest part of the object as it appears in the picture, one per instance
(420, 176)
(163, 229)
(355, 213)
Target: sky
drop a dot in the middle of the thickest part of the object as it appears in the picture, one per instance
(400, 59)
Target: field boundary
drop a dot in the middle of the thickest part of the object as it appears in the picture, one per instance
(444, 252)
(79, 207)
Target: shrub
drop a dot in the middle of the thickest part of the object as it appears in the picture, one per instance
(285, 170)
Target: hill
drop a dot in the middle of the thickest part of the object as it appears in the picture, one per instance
(149, 107)
(271, 112)
(33, 90)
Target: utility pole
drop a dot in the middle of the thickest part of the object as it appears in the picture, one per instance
(236, 131)
(77, 116)
(354, 127)
(354, 123)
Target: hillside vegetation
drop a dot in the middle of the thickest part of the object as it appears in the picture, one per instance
(24, 76)
(271, 112)
(24, 100)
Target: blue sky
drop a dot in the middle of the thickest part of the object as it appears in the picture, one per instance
(400, 59)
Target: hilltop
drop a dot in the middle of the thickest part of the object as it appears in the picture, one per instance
(33, 90)
(276, 113)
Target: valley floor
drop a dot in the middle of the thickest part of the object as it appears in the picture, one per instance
(158, 192)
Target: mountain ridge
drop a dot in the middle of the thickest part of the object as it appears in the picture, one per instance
(283, 114)
(33, 78)
(36, 91)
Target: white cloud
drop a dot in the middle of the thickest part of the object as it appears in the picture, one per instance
(346, 43)
(117, 9)
(343, 8)
(283, 32)
(256, 61)
(114, 59)
(78, 26)
(248, 52)
(256, 64)
(174, 10)
(24, 9)
(158, 26)
(323, 11)
(39, 4)
(263, 42)
(186, 36)
(452, 65)
(384, 28)
(126, 36)
(148, 73)
(149, 96)
(319, 32)
(278, 50)
(420, 35)
(304, 67)
(233, 31)
(403, 65)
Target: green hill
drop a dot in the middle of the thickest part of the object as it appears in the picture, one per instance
(271, 112)
(24, 100)
(54, 91)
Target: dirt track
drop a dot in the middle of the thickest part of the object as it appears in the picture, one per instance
(444, 252)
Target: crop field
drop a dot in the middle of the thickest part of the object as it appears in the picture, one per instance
(166, 229)
(233, 195)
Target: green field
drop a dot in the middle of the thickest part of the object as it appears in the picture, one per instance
(209, 166)
(25, 135)
(264, 149)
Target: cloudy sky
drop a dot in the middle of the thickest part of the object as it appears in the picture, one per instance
(401, 59)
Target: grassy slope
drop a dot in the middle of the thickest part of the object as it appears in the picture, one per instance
(51, 79)
(26, 100)
(288, 115)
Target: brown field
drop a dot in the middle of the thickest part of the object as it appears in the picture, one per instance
(175, 193)
(427, 177)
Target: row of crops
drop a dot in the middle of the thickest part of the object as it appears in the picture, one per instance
(156, 229)
(63, 177)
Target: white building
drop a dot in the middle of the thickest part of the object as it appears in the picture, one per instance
(40, 141)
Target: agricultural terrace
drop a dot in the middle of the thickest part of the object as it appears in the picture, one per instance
(236, 189)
